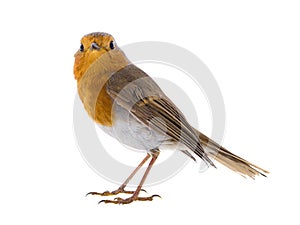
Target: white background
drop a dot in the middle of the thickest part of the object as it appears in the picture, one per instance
(253, 50)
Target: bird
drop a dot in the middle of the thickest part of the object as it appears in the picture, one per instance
(130, 106)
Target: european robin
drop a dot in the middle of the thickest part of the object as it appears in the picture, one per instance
(128, 105)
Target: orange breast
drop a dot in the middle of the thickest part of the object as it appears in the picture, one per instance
(96, 101)
(92, 72)
(103, 109)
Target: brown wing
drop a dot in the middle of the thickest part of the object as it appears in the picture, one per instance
(134, 90)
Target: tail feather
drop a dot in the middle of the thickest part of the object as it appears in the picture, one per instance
(230, 160)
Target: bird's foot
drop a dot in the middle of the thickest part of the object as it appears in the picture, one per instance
(116, 192)
(129, 200)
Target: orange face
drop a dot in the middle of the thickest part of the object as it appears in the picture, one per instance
(92, 47)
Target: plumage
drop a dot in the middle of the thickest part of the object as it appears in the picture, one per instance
(130, 106)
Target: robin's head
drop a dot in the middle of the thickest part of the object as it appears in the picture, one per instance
(92, 47)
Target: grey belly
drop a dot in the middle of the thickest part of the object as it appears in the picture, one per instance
(130, 131)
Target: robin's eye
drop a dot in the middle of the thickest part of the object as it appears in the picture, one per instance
(81, 48)
(112, 45)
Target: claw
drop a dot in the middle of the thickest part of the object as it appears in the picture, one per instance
(143, 190)
(156, 196)
(91, 193)
(101, 201)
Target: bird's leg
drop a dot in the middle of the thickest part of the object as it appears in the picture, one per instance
(135, 196)
(121, 188)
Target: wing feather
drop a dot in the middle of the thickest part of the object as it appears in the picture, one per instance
(133, 89)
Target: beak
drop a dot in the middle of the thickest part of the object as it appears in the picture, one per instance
(94, 46)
